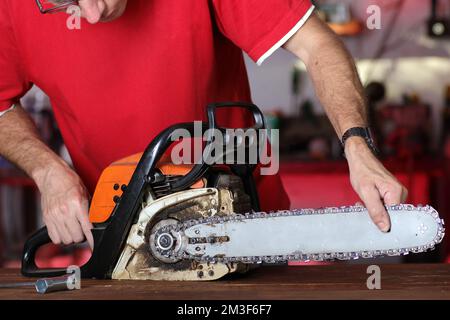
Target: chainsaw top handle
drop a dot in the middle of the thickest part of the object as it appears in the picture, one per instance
(258, 116)
(109, 237)
(243, 170)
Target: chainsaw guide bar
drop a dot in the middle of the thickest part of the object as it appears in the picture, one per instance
(342, 233)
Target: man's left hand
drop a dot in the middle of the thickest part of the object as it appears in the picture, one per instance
(375, 185)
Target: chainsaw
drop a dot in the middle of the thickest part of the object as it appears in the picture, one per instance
(154, 220)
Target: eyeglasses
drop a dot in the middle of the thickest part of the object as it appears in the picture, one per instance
(46, 6)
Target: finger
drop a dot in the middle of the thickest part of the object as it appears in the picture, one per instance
(371, 198)
(102, 7)
(86, 225)
(64, 233)
(74, 228)
(52, 233)
(393, 195)
(62, 230)
(92, 10)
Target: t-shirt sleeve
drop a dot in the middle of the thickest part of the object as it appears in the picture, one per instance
(13, 80)
(261, 27)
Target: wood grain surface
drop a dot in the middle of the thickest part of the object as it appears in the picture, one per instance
(336, 281)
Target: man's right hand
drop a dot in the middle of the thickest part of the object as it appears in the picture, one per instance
(64, 197)
(65, 205)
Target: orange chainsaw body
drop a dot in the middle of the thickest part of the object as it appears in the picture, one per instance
(116, 177)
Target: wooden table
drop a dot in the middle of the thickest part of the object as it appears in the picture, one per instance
(337, 281)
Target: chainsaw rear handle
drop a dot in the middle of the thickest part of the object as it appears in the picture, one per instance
(29, 267)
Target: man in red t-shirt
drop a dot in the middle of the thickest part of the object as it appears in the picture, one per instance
(114, 86)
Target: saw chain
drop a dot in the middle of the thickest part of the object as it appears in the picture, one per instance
(166, 237)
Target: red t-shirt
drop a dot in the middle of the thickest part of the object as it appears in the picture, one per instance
(114, 86)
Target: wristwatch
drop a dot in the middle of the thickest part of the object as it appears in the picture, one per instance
(360, 132)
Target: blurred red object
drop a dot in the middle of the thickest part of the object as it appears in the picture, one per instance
(405, 130)
(308, 187)
(51, 256)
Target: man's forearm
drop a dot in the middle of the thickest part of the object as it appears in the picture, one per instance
(20, 143)
(333, 73)
(341, 95)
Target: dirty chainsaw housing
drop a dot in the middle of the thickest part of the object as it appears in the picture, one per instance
(137, 195)
(140, 259)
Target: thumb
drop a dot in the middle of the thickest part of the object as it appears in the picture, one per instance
(86, 225)
(87, 231)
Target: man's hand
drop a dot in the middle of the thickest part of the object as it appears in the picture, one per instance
(374, 184)
(64, 198)
(102, 10)
(64, 204)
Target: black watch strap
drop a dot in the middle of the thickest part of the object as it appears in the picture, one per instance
(360, 132)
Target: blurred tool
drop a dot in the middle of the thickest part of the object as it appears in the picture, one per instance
(445, 138)
(438, 24)
(375, 93)
(16, 285)
(339, 18)
(308, 136)
(295, 88)
(406, 128)
(46, 285)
